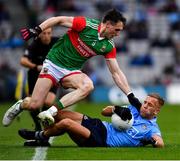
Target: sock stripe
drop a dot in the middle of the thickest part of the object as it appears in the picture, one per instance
(59, 104)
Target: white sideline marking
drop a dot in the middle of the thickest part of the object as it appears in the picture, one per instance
(41, 152)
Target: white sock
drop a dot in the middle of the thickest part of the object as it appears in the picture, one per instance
(53, 110)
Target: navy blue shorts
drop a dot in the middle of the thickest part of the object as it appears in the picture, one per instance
(98, 132)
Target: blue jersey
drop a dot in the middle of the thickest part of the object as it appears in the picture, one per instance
(142, 129)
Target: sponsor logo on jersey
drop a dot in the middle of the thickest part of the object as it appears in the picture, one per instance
(144, 127)
(94, 43)
(84, 49)
(80, 46)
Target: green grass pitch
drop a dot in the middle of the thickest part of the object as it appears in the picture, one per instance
(11, 145)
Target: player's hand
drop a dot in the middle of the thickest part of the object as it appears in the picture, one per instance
(29, 33)
(123, 112)
(134, 101)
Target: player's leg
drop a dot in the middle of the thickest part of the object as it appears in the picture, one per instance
(39, 94)
(32, 78)
(75, 130)
(37, 123)
(62, 114)
(49, 101)
(82, 86)
(83, 130)
(73, 127)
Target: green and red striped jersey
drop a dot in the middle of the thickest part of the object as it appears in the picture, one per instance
(80, 43)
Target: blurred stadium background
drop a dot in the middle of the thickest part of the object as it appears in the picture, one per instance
(148, 51)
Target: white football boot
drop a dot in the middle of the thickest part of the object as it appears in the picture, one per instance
(11, 113)
(47, 116)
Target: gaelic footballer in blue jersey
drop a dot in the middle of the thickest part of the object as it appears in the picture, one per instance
(90, 132)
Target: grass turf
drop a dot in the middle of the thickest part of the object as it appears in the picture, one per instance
(11, 145)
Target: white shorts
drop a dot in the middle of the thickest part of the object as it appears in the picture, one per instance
(55, 73)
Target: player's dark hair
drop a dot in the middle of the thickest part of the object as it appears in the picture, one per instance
(158, 97)
(114, 16)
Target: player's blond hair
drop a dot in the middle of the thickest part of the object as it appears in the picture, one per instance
(158, 97)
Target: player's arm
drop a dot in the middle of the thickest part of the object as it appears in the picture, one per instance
(123, 112)
(24, 61)
(121, 81)
(59, 20)
(118, 76)
(107, 111)
(34, 32)
(157, 141)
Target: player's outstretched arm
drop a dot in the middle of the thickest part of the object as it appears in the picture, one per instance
(59, 20)
(118, 76)
(34, 32)
(121, 81)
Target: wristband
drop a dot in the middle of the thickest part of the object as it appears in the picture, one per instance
(129, 93)
(38, 30)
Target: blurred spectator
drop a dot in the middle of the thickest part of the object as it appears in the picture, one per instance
(120, 5)
(7, 81)
(5, 26)
(161, 42)
(169, 7)
(4, 14)
(137, 30)
(167, 76)
(174, 19)
(142, 60)
(63, 5)
(103, 6)
(177, 47)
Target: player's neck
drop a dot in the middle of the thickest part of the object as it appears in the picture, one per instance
(102, 30)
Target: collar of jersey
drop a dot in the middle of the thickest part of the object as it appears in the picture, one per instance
(99, 37)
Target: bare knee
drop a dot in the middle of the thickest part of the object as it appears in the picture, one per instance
(49, 102)
(50, 99)
(86, 87)
(65, 123)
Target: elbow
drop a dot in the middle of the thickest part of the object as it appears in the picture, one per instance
(104, 113)
(107, 111)
(21, 62)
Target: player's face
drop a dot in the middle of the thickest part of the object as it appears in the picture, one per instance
(113, 30)
(45, 36)
(150, 108)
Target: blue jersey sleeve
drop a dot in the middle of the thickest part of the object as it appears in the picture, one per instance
(134, 111)
(155, 130)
